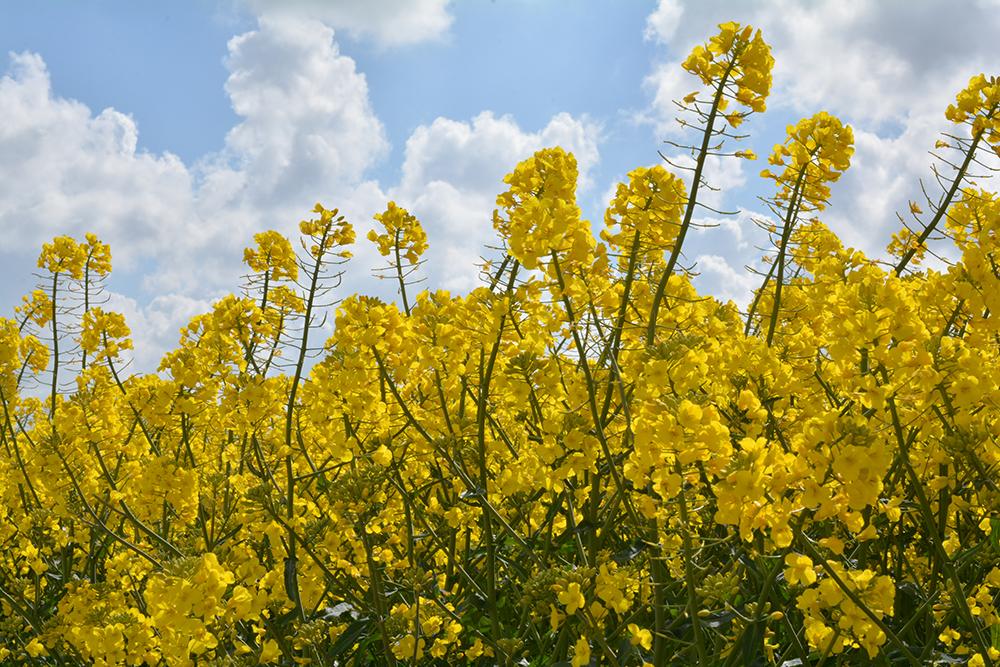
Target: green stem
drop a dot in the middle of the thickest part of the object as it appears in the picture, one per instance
(786, 233)
(959, 595)
(942, 209)
(291, 572)
(485, 376)
(399, 275)
(689, 577)
(692, 202)
(55, 349)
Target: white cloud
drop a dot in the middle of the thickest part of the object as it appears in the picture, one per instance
(667, 82)
(453, 171)
(870, 60)
(155, 325)
(307, 133)
(719, 278)
(732, 226)
(479, 153)
(662, 23)
(875, 60)
(70, 171)
(390, 23)
(308, 125)
(888, 68)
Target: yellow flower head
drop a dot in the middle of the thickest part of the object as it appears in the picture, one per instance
(36, 307)
(402, 231)
(104, 334)
(572, 598)
(17, 350)
(540, 208)
(799, 570)
(98, 255)
(739, 56)
(581, 653)
(979, 104)
(817, 151)
(63, 255)
(651, 205)
(273, 255)
(328, 230)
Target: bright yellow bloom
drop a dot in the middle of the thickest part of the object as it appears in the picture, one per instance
(273, 256)
(571, 598)
(799, 570)
(269, 652)
(817, 151)
(402, 231)
(104, 334)
(581, 653)
(736, 55)
(640, 636)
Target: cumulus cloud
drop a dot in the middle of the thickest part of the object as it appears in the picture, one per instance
(390, 23)
(888, 68)
(306, 133)
(721, 279)
(870, 59)
(68, 169)
(662, 23)
(453, 170)
(842, 56)
(307, 123)
(666, 83)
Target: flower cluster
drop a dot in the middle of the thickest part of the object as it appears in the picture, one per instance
(817, 151)
(273, 256)
(402, 230)
(645, 213)
(540, 214)
(581, 461)
(979, 105)
(739, 56)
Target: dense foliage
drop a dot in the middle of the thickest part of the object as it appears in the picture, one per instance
(582, 461)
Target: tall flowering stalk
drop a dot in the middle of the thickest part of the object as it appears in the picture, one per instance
(582, 461)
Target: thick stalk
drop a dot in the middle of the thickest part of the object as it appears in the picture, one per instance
(252, 347)
(55, 349)
(945, 203)
(399, 275)
(855, 598)
(614, 345)
(786, 233)
(936, 539)
(452, 463)
(485, 375)
(592, 394)
(692, 202)
(8, 422)
(656, 570)
(291, 572)
(689, 575)
(86, 304)
(756, 299)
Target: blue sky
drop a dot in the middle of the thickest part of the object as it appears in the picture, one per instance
(175, 131)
